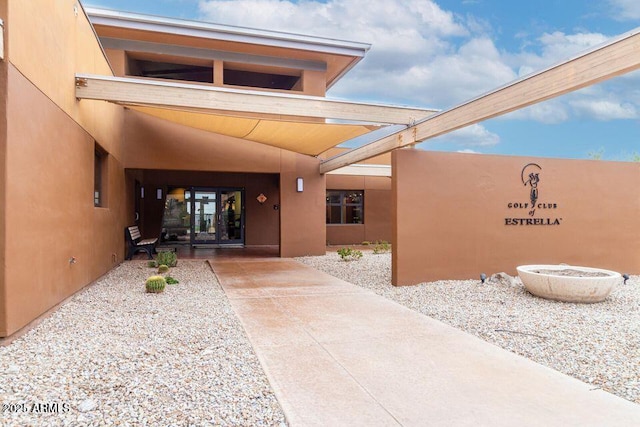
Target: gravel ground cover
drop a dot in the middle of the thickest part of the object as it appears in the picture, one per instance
(595, 343)
(115, 355)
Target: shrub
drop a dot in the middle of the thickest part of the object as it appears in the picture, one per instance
(152, 264)
(381, 247)
(171, 281)
(155, 284)
(348, 254)
(366, 243)
(163, 268)
(167, 258)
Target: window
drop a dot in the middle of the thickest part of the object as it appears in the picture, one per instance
(261, 77)
(345, 207)
(99, 176)
(171, 71)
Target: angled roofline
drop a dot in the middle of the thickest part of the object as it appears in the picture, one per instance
(136, 21)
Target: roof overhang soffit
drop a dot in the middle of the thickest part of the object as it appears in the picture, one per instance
(237, 102)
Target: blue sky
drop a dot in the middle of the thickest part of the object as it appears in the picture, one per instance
(443, 52)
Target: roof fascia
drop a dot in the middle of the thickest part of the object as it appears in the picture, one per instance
(201, 53)
(229, 33)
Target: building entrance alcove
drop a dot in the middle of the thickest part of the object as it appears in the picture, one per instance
(199, 209)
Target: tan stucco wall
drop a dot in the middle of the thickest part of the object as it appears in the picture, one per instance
(450, 212)
(377, 210)
(49, 189)
(302, 215)
(3, 165)
(48, 194)
(49, 45)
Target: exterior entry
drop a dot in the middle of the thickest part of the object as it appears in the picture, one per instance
(204, 216)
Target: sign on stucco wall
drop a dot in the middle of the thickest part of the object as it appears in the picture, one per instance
(537, 208)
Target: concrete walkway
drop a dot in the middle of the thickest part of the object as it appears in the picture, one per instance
(339, 355)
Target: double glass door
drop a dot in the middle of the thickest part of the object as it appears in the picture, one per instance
(209, 215)
(216, 216)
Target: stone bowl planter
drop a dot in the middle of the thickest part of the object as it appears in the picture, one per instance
(568, 283)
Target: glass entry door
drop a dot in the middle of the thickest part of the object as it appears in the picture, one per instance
(203, 216)
(231, 224)
(217, 216)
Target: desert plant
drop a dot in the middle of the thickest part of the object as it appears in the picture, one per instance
(155, 284)
(163, 269)
(348, 254)
(381, 247)
(167, 258)
(171, 281)
(596, 154)
(152, 264)
(366, 243)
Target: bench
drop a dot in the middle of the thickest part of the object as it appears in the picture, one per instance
(135, 242)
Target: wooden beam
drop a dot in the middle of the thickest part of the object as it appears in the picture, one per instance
(614, 58)
(363, 170)
(137, 91)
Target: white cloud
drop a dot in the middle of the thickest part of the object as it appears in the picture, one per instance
(625, 10)
(553, 48)
(470, 136)
(468, 151)
(600, 109)
(549, 112)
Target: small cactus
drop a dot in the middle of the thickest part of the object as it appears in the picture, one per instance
(155, 284)
(167, 258)
(163, 269)
(348, 254)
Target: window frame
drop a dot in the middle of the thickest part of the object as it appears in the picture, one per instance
(344, 205)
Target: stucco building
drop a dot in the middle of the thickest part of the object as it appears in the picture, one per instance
(200, 134)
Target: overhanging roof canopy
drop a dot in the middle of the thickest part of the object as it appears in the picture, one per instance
(291, 122)
(301, 137)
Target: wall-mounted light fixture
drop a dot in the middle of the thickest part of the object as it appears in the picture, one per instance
(142, 192)
(159, 193)
(299, 185)
(1, 39)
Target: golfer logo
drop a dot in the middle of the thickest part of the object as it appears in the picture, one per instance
(531, 177)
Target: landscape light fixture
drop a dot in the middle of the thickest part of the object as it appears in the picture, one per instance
(626, 277)
(142, 192)
(483, 277)
(159, 193)
(299, 185)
